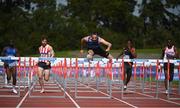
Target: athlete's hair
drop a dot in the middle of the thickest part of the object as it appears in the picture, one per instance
(94, 33)
(169, 43)
(43, 37)
(11, 43)
(130, 40)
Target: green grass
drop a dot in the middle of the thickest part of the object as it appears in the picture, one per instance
(149, 51)
(76, 53)
(144, 51)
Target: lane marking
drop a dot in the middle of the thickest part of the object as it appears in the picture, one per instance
(75, 103)
(22, 100)
(158, 97)
(113, 97)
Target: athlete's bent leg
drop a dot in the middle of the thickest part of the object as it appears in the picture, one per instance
(13, 72)
(40, 75)
(8, 73)
(129, 74)
(90, 55)
(13, 69)
(47, 74)
(110, 57)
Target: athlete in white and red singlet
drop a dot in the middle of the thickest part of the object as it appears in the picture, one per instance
(169, 52)
(44, 66)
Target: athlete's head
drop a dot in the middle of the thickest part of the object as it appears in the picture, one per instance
(44, 41)
(169, 43)
(94, 36)
(11, 44)
(129, 43)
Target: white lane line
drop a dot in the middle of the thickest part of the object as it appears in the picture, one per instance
(158, 97)
(22, 100)
(75, 103)
(113, 97)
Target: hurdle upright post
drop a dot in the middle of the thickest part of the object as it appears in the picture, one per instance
(110, 80)
(157, 80)
(19, 75)
(150, 76)
(97, 75)
(143, 77)
(135, 69)
(76, 77)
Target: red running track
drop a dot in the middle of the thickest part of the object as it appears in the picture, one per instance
(71, 101)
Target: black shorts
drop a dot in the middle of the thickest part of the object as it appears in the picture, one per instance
(6, 65)
(100, 51)
(44, 65)
(171, 70)
(128, 67)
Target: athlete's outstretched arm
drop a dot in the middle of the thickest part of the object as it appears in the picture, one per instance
(17, 53)
(83, 40)
(120, 55)
(3, 52)
(162, 54)
(176, 53)
(133, 52)
(108, 44)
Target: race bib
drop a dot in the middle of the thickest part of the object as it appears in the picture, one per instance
(126, 57)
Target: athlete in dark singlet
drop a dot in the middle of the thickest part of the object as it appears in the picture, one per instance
(128, 53)
(93, 46)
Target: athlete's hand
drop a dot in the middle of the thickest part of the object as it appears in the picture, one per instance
(107, 49)
(47, 63)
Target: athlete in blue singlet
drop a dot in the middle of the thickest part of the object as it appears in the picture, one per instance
(10, 65)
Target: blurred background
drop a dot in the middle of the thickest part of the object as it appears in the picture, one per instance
(149, 23)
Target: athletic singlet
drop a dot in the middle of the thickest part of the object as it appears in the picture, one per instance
(169, 53)
(45, 52)
(127, 54)
(10, 52)
(93, 44)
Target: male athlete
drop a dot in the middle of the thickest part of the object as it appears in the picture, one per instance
(93, 46)
(10, 65)
(44, 66)
(128, 53)
(169, 53)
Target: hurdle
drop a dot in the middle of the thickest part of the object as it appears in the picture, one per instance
(98, 68)
(59, 87)
(152, 89)
(141, 64)
(177, 92)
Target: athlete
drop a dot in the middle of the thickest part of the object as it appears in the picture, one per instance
(128, 53)
(10, 65)
(94, 46)
(169, 53)
(44, 66)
